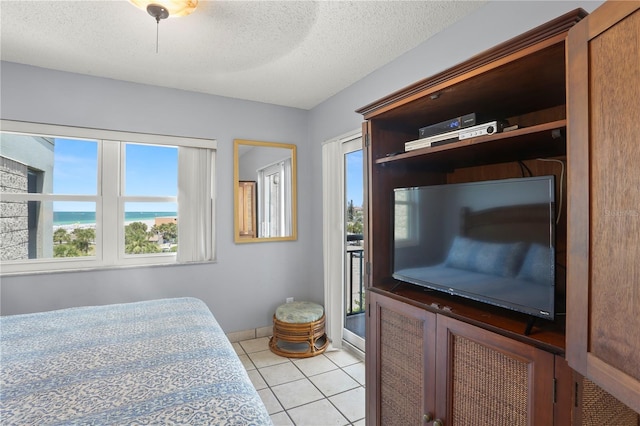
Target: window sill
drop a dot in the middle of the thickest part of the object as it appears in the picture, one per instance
(102, 268)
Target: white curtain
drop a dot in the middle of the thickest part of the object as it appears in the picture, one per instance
(333, 235)
(196, 197)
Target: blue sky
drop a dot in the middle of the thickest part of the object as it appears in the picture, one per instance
(75, 167)
(353, 177)
(150, 170)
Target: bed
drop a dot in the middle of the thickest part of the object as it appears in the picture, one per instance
(155, 362)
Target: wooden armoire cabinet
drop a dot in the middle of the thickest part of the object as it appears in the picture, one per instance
(571, 88)
(603, 323)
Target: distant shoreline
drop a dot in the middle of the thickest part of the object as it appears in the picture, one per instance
(72, 226)
(88, 219)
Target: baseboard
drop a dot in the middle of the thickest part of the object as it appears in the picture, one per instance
(254, 333)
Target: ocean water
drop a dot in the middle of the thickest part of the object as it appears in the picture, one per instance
(71, 218)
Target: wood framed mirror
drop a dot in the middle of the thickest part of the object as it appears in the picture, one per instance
(265, 195)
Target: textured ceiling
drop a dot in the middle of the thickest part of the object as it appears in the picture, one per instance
(292, 53)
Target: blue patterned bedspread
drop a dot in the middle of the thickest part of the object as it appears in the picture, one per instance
(158, 362)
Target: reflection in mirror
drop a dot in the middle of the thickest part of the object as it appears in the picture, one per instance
(264, 191)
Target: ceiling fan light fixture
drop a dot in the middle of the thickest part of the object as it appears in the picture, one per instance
(157, 11)
(162, 9)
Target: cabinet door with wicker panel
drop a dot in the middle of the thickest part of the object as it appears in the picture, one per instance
(400, 363)
(486, 378)
(596, 407)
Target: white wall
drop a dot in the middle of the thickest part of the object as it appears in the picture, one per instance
(249, 280)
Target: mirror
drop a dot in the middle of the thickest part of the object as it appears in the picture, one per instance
(264, 176)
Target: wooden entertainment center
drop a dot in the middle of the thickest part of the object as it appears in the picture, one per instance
(572, 86)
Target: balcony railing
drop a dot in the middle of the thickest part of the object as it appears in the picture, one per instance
(354, 292)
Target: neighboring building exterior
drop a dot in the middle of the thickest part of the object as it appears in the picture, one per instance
(161, 220)
(26, 227)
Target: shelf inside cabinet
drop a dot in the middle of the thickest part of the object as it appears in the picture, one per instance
(542, 140)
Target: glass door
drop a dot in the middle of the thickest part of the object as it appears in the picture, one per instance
(354, 291)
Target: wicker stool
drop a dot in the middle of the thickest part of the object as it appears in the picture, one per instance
(298, 330)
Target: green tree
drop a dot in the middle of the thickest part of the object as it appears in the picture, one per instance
(355, 223)
(136, 228)
(169, 231)
(136, 239)
(61, 236)
(82, 238)
(355, 227)
(350, 211)
(66, 250)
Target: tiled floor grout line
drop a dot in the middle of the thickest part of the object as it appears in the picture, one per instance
(348, 390)
(308, 379)
(324, 396)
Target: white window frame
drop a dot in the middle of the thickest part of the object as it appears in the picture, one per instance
(411, 205)
(109, 245)
(281, 225)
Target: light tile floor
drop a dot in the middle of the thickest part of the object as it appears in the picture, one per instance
(323, 390)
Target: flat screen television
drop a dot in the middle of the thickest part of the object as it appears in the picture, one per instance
(490, 241)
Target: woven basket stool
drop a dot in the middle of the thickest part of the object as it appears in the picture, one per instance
(298, 330)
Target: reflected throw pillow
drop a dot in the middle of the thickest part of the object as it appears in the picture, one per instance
(536, 264)
(503, 259)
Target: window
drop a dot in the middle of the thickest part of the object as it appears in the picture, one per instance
(80, 198)
(274, 185)
(406, 218)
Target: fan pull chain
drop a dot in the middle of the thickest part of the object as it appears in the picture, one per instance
(157, 32)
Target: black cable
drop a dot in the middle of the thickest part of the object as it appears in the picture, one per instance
(524, 166)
